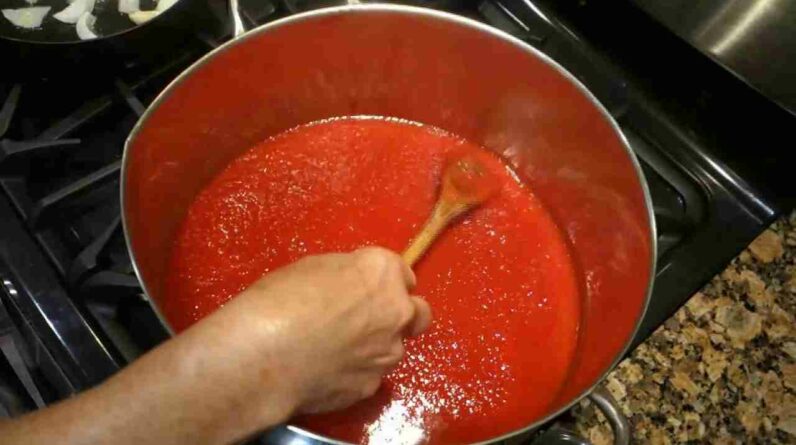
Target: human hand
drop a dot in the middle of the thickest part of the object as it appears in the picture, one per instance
(325, 329)
(314, 336)
(334, 324)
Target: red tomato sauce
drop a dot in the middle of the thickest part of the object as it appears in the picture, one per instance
(500, 281)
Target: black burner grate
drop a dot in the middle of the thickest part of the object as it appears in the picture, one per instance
(68, 280)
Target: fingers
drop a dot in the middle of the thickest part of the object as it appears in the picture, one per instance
(409, 275)
(422, 318)
(370, 385)
(413, 313)
(380, 262)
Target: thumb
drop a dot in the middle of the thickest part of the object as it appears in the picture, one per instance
(422, 319)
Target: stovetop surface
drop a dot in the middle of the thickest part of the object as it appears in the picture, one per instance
(72, 311)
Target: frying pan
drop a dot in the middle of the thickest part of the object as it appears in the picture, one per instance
(55, 48)
(429, 67)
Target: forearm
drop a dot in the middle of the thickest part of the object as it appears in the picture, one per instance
(173, 395)
(314, 336)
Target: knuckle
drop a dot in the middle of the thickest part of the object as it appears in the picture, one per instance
(375, 256)
(370, 387)
(374, 262)
(370, 257)
(397, 352)
(406, 313)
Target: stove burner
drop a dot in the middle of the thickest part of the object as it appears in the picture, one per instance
(11, 399)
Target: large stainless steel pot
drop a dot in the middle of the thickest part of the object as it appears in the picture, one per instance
(429, 67)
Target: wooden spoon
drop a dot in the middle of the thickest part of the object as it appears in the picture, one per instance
(466, 183)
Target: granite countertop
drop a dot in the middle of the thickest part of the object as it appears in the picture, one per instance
(723, 369)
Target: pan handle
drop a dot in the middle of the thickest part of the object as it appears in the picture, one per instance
(237, 23)
(607, 405)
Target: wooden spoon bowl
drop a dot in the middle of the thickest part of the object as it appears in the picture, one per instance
(466, 183)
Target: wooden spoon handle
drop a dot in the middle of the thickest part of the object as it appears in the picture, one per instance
(444, 212)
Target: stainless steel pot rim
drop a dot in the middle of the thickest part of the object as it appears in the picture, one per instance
(431, 13)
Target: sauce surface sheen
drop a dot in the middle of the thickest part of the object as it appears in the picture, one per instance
(500, 281)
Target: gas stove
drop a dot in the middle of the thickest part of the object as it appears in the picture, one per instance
(72, 311)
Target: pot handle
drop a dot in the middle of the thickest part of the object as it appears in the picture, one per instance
(607, 405)
(237, 23)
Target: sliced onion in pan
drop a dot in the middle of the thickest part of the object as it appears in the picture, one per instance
(165, 4)
(85, 26)
(128, 6)
(28, 18)
(141, 17)
(73, 12)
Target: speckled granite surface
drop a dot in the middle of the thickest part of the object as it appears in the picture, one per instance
(723, 369)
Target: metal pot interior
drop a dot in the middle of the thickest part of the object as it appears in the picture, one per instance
(425, 66)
